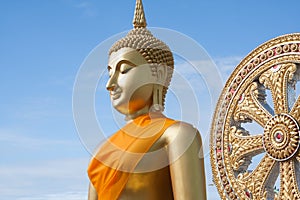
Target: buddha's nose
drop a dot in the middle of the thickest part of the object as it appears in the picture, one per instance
(111, 85)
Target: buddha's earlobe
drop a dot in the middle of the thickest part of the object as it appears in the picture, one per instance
(161, 79)
(157, 105)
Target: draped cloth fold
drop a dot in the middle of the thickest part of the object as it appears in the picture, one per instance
(110, 168)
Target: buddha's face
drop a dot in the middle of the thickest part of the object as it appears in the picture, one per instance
(130, 81)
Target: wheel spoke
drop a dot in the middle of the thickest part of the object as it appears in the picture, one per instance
(276, 79)
(253, 106)
(288, 181)
(298, 156)
(256, 180)
(242, 147)
(295, 112)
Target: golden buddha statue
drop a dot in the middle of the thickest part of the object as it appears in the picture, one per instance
(140, 68)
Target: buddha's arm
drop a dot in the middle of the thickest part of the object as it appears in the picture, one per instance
(187, 169)
(92, 193)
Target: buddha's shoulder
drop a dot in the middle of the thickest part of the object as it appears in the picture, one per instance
(180, 130)
(180, 126)
(178, 134)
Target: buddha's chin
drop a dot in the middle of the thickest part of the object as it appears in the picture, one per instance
(128, 108)
(121, 106)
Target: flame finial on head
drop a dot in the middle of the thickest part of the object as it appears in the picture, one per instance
(139, 20)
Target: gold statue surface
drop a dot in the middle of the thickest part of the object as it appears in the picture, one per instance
(140, 68)
(260, 92)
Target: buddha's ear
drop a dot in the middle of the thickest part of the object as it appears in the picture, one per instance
(162, 74)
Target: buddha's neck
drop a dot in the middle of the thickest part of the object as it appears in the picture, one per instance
(131, 116)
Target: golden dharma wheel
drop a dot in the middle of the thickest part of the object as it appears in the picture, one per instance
(260, 95)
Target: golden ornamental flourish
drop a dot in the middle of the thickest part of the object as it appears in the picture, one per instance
(261, 92)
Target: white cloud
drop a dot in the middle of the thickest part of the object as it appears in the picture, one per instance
(32, 167)
(87, 8)
(11, 138)
(54, 169)
(36, 179)
(64, 196)
(39, 108)
(226, 65)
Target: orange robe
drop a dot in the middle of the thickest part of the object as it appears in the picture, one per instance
(110, 168)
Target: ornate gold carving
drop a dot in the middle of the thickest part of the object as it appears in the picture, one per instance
(242, 146)
(251, 105)
(295, 112)
(289, 188)
(271, 67)
(255, 181)
(277, 79)
(281, 137)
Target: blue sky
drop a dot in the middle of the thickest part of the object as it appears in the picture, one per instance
(43, 44)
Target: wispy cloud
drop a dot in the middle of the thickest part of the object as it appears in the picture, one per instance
(37, 179)
(64, 196)
(87, 8)
(227, 64)
(11, 137)
(53, 169)
(39, 108)
(32, 166)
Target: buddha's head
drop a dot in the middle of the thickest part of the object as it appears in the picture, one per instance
(140, 68)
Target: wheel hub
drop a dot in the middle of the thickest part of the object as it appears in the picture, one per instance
(281, 137)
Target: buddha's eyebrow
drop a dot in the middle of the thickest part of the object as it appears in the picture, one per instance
(120, 63)
(125, 62)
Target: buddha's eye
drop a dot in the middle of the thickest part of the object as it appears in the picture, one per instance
(109, 71)
(125, 68)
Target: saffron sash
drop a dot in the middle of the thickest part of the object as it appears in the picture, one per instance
(110, 168)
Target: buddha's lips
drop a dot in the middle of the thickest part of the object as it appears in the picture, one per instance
(115, 95)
